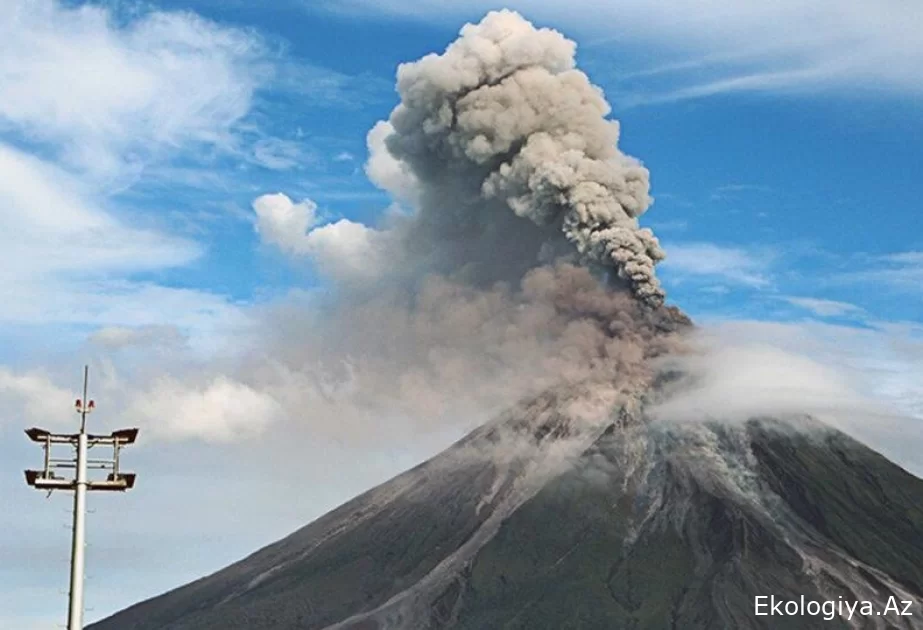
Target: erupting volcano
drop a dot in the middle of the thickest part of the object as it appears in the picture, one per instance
(523, 261)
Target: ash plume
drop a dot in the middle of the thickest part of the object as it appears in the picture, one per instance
(449, 352)
(519, 268)
(516, 160)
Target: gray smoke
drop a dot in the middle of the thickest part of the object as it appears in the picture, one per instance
(448, 353)
(516, 161)
(521, 269)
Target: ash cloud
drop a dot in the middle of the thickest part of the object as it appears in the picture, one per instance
(448, 353)
(516, 161)
(520, 266)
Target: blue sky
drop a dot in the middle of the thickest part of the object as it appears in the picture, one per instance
(785, 147)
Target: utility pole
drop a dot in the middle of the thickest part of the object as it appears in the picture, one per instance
(46, 479)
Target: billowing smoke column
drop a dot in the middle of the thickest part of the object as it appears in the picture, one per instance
(521, 270)
(502, 127)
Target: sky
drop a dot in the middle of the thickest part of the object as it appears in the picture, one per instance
(174, 175)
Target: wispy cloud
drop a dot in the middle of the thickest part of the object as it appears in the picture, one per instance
(110, 94)
(280, 155)
(103, 110)
(902, 272)
(732, 191)
(106, 97)
(824, 308)
(66, 260)
(711, 262)
(317, 86)
(710, 47)
(53, 225)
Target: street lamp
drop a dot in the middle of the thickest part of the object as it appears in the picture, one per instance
(48, 479)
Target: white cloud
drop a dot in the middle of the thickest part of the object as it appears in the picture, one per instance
(343, 250)
(283, 223)
(906, 258)
(881, 363)
(110, 93)
(64, 258)
(715, 262)
(739, 381)
(218, 410)
(346, 249)
(36, 396)
(823, 308)
(279, 155)
(732, 191)
(50, 224)
(207, 319)
(99, 94)
(901, 271)
(748, 45)
(170, 397)
(863, 381)
(158, 336)
(384, 170)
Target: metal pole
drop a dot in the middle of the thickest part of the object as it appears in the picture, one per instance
(78, 542)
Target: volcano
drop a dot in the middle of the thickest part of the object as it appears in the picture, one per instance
(524, 271)
(543, 519)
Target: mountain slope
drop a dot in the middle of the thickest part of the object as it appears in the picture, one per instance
(540, 520)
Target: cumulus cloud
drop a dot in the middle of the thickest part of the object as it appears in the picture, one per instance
(343, 250)
(386, 172)
(346, 249)
(284, 223)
